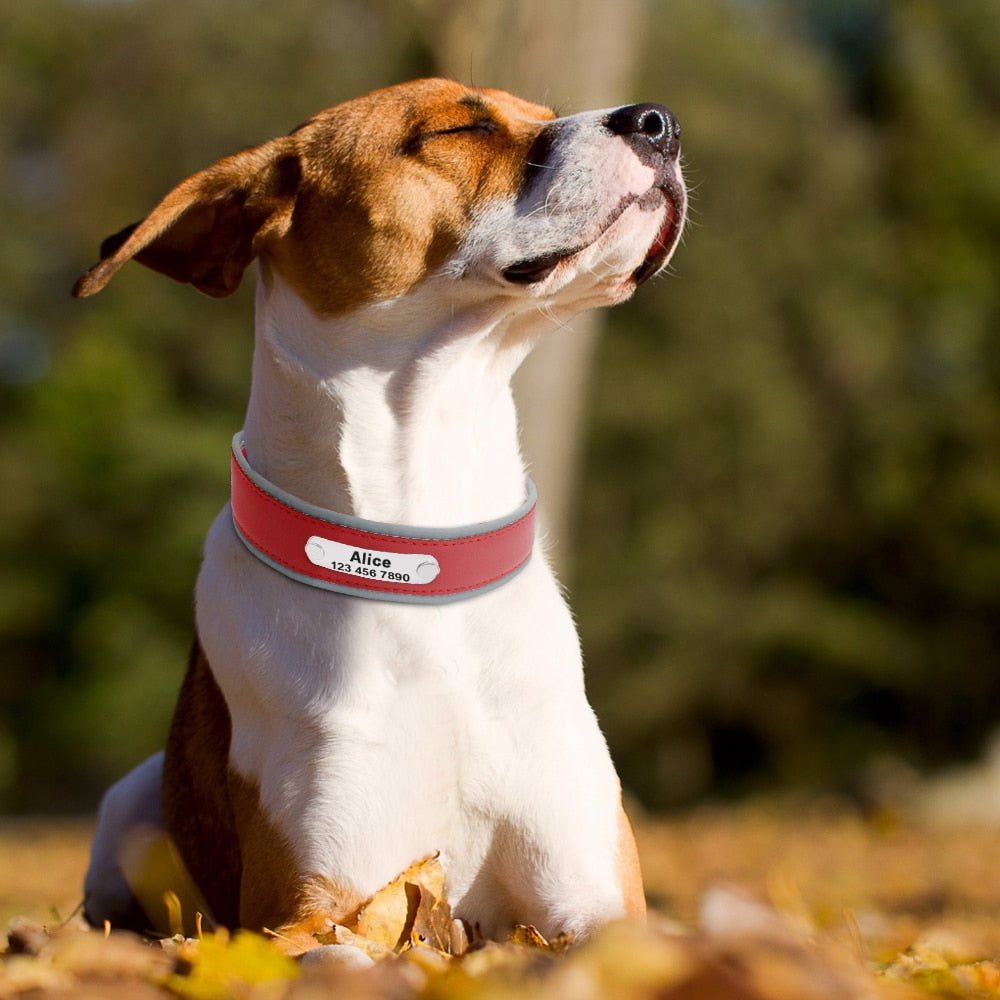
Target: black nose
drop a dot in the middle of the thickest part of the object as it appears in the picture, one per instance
(648, 123)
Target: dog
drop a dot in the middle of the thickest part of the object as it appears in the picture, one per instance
(365, 692)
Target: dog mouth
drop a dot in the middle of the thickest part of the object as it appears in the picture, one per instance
(536, 269)
(533, 270)
(666, 239)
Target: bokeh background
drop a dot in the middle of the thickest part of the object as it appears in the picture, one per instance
(777, 507)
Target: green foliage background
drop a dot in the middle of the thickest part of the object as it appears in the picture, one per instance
(787, 555)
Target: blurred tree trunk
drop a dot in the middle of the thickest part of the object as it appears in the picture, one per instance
(574, 55)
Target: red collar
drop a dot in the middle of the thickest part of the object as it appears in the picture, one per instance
(384, 562)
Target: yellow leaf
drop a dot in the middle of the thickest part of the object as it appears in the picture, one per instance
(432, 926)
(159, 880)
(388, 918)
(342, 935)
(626, 959)
(221, 966)
(527, 936)
(984, 976)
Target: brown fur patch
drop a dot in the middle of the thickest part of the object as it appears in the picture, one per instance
(245, 867)
(629, 871)
(359, 203)
(275, 895)
(389, 181)
(197, 809)
(321, 905)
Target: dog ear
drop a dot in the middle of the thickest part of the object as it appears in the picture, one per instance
(211, 226)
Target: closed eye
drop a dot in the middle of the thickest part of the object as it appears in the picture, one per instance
(482, 126)
(485, 125)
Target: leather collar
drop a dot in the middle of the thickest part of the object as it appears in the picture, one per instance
(385, 562)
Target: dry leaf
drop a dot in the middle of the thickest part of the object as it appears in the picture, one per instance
(389, 918)
(26, 937)
(984, 976)
(219, 967)
(342, 935)
(21, 975)
(527, 936)
(458, 937)
(432, 925)
(149, 860)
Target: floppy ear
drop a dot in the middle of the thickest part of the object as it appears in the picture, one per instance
(211, 226)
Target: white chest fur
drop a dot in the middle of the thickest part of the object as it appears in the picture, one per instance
(378, 734)
(416, 730)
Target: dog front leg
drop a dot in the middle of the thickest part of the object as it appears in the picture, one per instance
(278, 894)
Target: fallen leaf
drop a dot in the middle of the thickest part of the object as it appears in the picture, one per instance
(343, 935)
(983, 976)
(149, 860)
(432, 924)
(21, 975)
(218, 967)
(388, 918)
(527, 936)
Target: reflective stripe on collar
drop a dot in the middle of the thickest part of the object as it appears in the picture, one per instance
(385, 562)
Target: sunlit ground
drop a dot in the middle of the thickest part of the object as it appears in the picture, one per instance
(908, 901)
(41, 868)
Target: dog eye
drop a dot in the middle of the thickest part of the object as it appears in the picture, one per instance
(484, 126)
(481, 126)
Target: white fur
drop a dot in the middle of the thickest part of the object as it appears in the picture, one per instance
(462, 728)
(580, 191)
(382, 733)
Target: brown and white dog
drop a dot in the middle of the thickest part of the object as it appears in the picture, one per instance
(412, 245)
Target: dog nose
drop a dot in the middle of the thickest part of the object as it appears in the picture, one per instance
(652, 123)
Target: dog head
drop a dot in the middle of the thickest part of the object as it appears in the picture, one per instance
(369, 198)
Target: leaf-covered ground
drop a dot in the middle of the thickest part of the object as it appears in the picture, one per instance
(754, 902)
